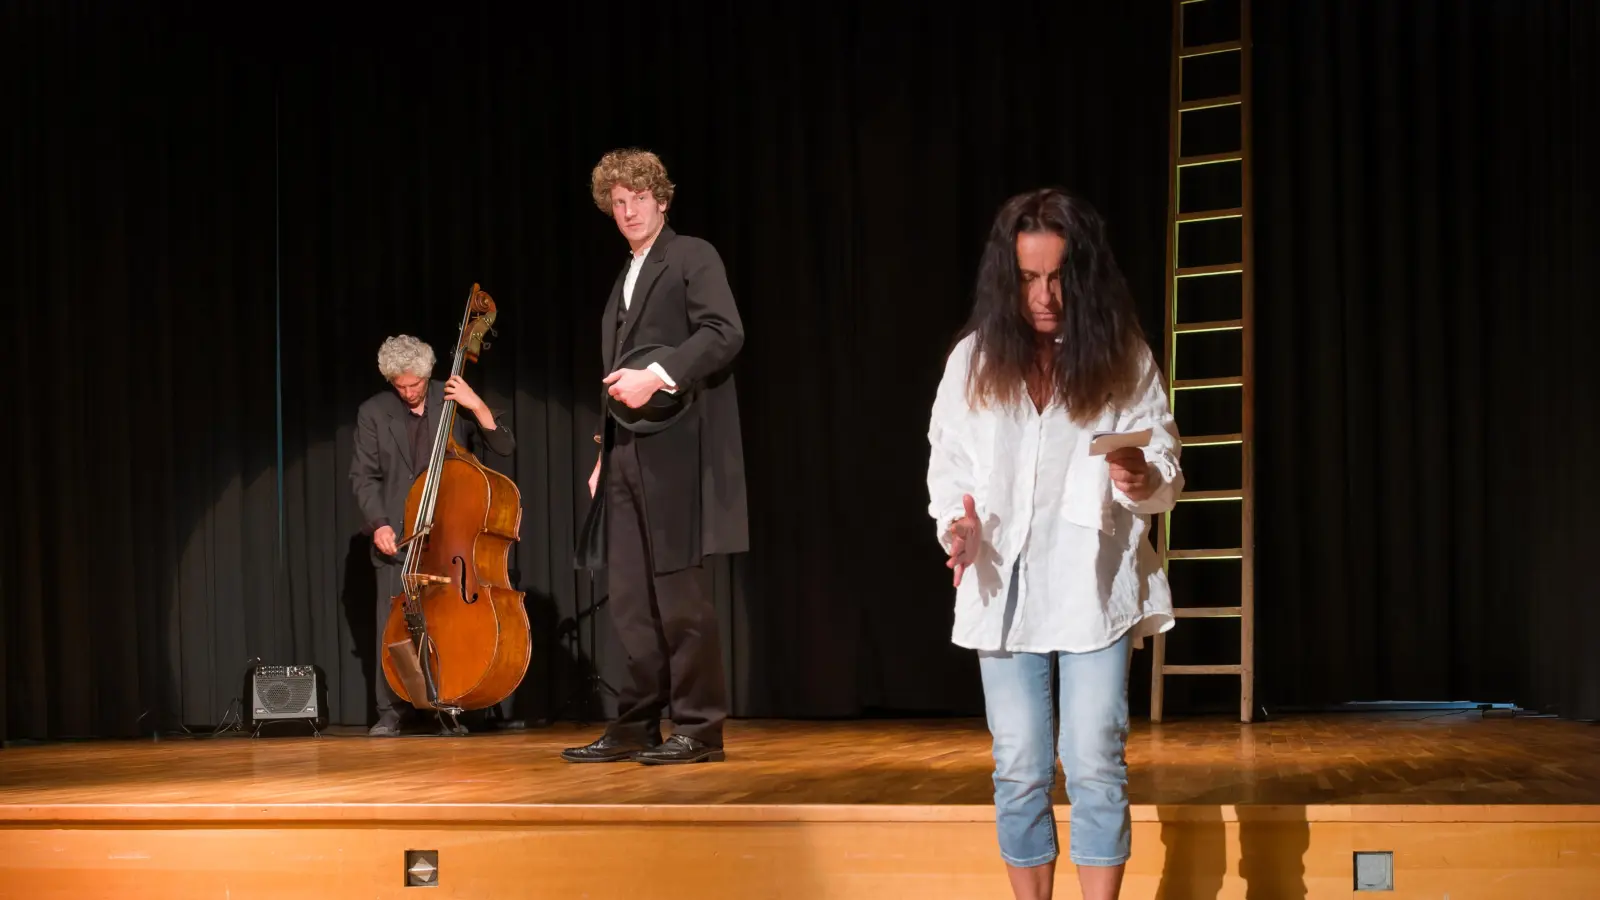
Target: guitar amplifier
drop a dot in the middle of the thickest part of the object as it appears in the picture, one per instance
(286, 692)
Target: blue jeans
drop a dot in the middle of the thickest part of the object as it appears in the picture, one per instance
(1093, 734)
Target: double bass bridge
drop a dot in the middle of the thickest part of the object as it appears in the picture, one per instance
(416, 581)
(413, 583)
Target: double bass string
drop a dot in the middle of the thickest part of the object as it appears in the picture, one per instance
(430, 490)
(426, 509)
(441, 440)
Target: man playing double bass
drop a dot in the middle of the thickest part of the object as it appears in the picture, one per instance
(669, 490)
(395, 429)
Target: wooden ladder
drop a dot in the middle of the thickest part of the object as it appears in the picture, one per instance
(1209, 301)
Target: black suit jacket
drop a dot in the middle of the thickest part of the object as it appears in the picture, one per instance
(381, 466)
(693, 471)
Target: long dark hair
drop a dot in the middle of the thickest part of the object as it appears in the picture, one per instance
(1098, 359)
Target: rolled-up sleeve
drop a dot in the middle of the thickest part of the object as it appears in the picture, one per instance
(951, 473)
(1164, 450)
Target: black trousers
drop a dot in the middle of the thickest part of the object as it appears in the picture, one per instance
(666, 623)
(388, 586)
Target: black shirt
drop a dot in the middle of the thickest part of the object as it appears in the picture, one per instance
(421, 441)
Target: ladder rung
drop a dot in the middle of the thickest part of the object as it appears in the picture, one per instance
(1218, 269)
(1211, 215)
(1195, 384)
(1235, 553)
(1210, 103)
(1202, 496)
(1220, 325)
(1213, 440)
(1202, 670)
(1208, 159)
(1207, 612)
(1208, 49)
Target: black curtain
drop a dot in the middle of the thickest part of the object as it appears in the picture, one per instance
(193, 205)
(140, 523)
(1426, 307)
(220, 200)
(846, 171)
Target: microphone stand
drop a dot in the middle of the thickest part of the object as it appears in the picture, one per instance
(592, 686)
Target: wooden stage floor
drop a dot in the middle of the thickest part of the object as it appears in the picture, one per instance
(838, 809)
(1421, 758)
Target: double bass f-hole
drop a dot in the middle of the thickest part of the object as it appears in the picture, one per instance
(461, 564)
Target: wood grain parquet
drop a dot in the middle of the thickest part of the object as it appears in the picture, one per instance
(1336, 759)
(1472, 809)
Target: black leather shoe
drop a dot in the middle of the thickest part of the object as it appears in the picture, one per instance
(681, 749)
(607, 749)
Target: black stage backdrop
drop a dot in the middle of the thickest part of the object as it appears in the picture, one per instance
(1427, 208)
(182, 178)
(140, 523)
(184, 190)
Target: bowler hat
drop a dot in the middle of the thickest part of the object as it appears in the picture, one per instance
(661, 410)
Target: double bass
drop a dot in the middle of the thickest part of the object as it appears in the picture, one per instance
(457, 637)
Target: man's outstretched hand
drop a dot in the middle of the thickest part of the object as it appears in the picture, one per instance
(966, 536)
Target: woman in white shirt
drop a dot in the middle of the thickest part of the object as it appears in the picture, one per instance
(1047, 531)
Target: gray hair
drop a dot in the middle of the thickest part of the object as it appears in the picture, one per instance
(405, 355)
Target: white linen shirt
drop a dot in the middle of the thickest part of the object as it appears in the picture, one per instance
(1088, 573)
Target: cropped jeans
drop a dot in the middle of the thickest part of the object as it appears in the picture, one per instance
(1093, 732)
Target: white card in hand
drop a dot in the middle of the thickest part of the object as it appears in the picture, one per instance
(1104, 442)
